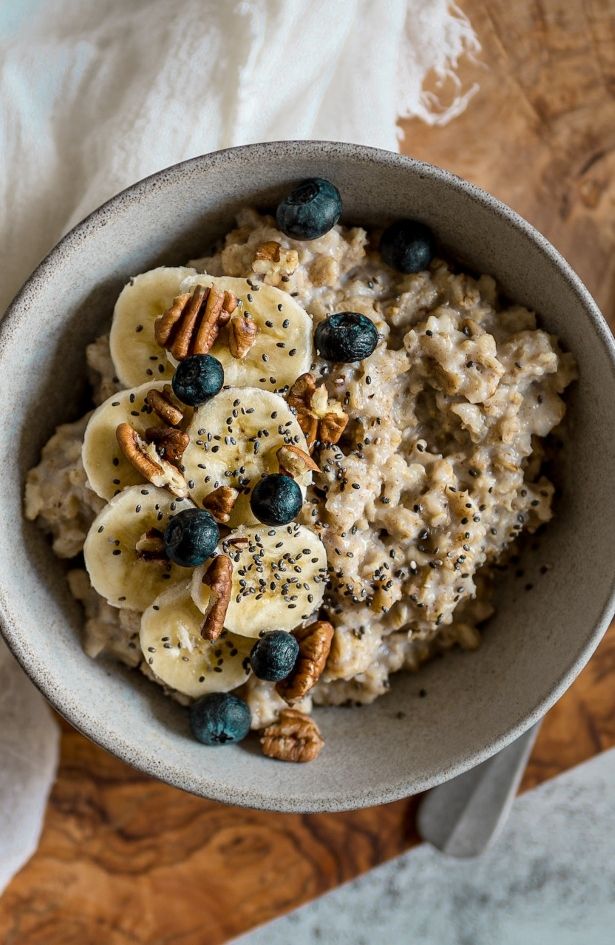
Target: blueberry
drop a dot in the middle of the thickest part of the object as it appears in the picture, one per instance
(407, 246)
(276, 500)
(346, 337)
(219, 718)
(198, 379)
(273, 656)
(310, 210)
(191, 537)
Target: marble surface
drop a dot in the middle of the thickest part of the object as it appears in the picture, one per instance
(548, 880)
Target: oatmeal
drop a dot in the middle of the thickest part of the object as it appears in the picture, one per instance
(358, 491)
(57, 492)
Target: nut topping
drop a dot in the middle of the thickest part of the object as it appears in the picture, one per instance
(322, 420)
(242, 332)
(150, 546)
(146, 460)
(228, 307)
(300, 398)
(239, 541)
(293, 737)
(269, 250)
(170, 443)
(314, 645)
(218, 577)
(300, 394)
(165, 404)
(309, 424)
(191, 324)
(274, 263)
(220, 503)
(331, 427)
(294, 462)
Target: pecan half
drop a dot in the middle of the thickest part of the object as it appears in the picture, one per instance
(165, 404)
(191, 324)
(309, 424)
(300, 398)
(218, 577)
(150, 546)
(292, 737)
(220, 503)
(228, 307)
(242, 332)
(294, 462)
(314, 645)
(332, 420)
(331, 428)
(145, 459)
(170, 443)
(321, 419)
(301, 393)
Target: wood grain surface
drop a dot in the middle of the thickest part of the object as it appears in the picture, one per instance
(125, 860)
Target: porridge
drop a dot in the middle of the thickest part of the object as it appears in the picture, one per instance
(309, 450)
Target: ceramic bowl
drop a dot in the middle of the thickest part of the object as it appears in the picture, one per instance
(475, 703)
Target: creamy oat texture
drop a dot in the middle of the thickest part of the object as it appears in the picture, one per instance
(438, 471)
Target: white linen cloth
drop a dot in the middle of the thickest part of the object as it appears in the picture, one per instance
(95, 95)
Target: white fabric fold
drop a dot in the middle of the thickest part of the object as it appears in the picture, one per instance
(98, 95)
(29, 745)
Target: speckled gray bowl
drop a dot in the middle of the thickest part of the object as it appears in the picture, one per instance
(475, 703)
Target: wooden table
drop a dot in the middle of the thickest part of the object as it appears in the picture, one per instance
(125, 860)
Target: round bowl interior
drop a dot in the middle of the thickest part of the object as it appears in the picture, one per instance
(475, 703)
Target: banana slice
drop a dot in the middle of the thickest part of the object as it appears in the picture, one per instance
(178, 655)
(135, 353)
(283, 348)
(105, 465)
(117, 571)
(279, 577)
(233, 442)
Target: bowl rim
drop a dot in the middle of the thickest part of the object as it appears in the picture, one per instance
(60, 698)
